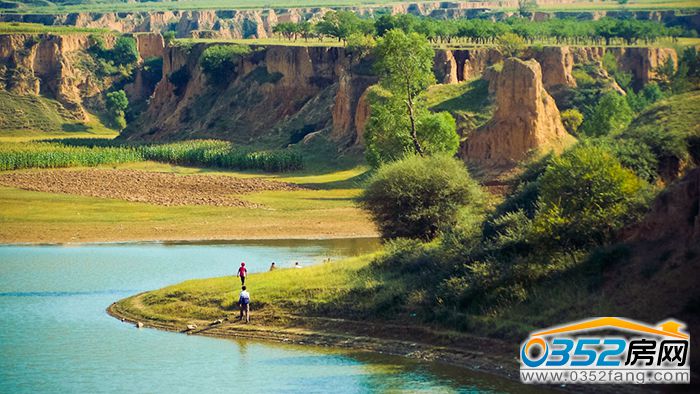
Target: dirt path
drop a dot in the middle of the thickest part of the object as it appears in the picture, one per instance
(149, 187)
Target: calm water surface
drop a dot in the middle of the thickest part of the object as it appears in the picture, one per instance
(56, 337)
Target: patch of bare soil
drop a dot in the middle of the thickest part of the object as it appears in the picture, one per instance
(149, 187)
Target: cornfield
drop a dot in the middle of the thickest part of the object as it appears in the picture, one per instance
(93, 152)
(49, 155)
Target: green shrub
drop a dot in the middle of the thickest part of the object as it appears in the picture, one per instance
(610, 116)
(117, 103)
(510, 44)
(637, 156)
(219, 62)
(125, 51)
(585, 197)
(572, 119)
(582, 78)
(416, 197)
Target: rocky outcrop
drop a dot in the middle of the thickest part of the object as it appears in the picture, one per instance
(445, 67)
(526, 121)
(362, 116)
(557, 64)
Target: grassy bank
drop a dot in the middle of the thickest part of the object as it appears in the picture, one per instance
(294, 306)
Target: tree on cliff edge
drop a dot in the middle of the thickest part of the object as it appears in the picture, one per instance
(405, 68)
(400, 122)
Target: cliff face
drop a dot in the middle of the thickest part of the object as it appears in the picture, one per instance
(277, 94)
(47, 65)
(556, 62)
(150, 45)
(526, 120)
(52, 66)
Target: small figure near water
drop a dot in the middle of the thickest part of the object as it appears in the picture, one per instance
(242, 273)
(273, 266)
(296, 265)
(244, 304)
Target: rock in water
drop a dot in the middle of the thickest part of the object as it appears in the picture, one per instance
(526, 120)
(139, 324)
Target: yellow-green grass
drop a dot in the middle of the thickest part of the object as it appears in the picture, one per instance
(279, 294)
(38, 28)
(329, 211)
(25, 117)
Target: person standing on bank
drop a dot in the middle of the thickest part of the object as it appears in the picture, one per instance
(242, 273)
(244, 304)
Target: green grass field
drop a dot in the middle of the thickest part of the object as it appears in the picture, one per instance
(327, 210)
(280, 293)
(37, 28)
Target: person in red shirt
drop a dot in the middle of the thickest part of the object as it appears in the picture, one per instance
(242, 273)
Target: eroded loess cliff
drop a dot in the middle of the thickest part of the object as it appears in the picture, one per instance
(526, 121)
(279, 95)
(48, 65)
(557, 62)
(60, 67)
(276, 95)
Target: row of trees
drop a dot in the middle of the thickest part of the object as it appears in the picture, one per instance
(343, 24)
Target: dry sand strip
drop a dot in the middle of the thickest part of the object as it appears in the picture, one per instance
(149, 187)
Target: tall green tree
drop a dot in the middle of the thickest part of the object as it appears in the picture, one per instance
(405, 68)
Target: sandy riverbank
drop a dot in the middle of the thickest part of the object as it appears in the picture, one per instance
(475, 353)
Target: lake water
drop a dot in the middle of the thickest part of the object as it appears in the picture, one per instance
(57, 338)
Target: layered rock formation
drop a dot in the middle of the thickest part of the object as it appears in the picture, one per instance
(47, 65)
(281, 91)
(526, 121)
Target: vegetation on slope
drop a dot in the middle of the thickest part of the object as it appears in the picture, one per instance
(35, 113)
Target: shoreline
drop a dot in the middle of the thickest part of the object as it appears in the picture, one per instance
(473, 358)
(191, 241)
